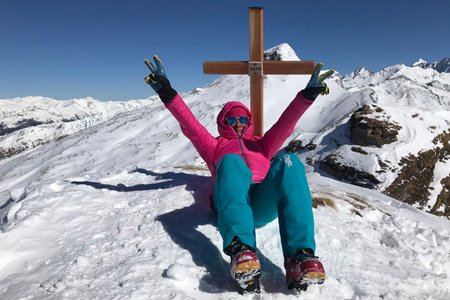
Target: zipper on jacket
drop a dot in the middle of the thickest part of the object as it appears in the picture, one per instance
(242, 152)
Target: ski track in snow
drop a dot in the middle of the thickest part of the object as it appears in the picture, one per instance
(150, 235)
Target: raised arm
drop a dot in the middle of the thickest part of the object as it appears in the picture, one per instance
(202, 140)
(274, 138)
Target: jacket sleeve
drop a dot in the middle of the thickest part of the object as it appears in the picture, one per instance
(274, 138)
(202, 140)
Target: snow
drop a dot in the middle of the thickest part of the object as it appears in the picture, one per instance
(119, 210)
(143, 235)
(414, 98)
(283, 51)
(419, 62)
(28, 122)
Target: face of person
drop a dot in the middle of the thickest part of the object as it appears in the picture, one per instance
(238, 123)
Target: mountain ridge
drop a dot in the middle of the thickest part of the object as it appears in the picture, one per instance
(442, 66)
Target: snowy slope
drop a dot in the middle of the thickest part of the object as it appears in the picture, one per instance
(118, 211)
(414, 101)
(28, 122)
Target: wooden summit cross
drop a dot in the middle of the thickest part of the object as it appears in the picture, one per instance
(257, 67)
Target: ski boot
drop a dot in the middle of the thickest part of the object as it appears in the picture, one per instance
(303, 269)
(245, 267)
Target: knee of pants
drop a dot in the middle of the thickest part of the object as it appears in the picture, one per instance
(287, 161)
(262, 220)
(264, 201)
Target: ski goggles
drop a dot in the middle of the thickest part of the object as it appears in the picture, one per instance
(232, 120)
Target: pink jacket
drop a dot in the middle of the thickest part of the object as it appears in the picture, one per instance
(256, 151)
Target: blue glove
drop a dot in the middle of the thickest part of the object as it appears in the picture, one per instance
(158, 80)
(316, 85)
(158, 70)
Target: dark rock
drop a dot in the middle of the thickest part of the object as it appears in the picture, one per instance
(349, 174)
(273, 56)
(4, 130)
(359, 150)
(382, 164)
(411, 185)
(296, 146)
(443, 199)
(417, 173)
(367, 131)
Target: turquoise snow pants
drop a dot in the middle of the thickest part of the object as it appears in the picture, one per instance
(284, 193)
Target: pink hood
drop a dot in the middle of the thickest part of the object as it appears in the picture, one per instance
(227, 131)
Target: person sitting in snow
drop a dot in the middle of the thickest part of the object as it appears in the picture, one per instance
(253, 183)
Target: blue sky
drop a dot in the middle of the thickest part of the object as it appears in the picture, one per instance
(71, 49)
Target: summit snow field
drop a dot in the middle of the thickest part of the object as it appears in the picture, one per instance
(119, 210)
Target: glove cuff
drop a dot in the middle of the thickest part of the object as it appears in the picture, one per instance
(166, 92)
(167, 96)
(310, 93)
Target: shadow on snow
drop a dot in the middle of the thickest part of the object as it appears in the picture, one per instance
(181, 225)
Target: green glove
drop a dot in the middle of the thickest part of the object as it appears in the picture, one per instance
(158, 80)
(316, 85)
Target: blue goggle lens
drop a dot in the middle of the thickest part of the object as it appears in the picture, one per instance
(232, 120)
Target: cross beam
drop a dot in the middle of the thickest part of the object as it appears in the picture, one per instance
(257, 67)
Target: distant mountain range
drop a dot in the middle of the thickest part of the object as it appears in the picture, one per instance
(442, 66)
(28, 122)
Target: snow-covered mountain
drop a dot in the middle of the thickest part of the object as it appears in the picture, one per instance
(390, 130)
(442, 66)
(28, 122)
(119, 209)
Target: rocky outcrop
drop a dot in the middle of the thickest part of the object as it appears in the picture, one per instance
(368, 129)
(412, 185)
(24, 128)
(4, 129)
(442, 206)
(369, 126)
(333, 165)
(6, 152)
